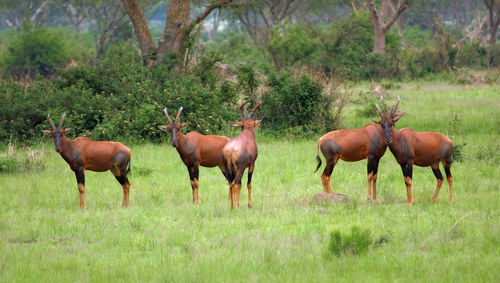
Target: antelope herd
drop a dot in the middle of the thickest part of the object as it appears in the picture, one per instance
(233, 156)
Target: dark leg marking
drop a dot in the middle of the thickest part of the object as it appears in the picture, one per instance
(249, 184)
(331, 151)
(407, 168)
(80, 179)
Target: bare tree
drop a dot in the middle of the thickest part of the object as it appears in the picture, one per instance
(76, 11)
(15, 13)
(176, 33)
(379, 24)
(493, 19)
(105, 16)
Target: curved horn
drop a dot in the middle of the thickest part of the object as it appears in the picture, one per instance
(62, 120)
(379, 112)
(166, 115)
(385, 105)
(178, 114)
(395, 106)
(255, 109)
(398, 116)
(242, 110)
(51, 122)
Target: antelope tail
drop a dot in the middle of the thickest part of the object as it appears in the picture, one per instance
(128, 169)
(317, 158)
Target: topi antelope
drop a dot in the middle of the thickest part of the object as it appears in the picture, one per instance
(83, 154)
(240, 153)
(416, 148)
(352, 145)
(195, 149)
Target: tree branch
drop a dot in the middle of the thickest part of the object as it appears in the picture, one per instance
(402, 5)
(209, 10)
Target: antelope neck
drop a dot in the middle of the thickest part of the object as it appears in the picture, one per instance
(248, 131)
(66, 148)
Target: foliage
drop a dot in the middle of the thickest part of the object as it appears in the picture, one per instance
(355, 243)
(248, 83)
(295, 44)
(300, 103)
(117, 98)
(348, 46)
(35, 51)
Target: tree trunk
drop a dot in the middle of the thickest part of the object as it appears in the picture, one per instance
(492, 21)
(379, 40)
(493, 35)
(148, 48)
(175, 34)
(380, 27)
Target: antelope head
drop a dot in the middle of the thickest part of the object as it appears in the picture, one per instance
(174, 126)
(57, 132)
(247, 121)
(388, 119)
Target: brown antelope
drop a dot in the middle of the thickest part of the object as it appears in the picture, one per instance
(352, 145)
(416, 148)
(83, 154)
(240, 153)
(195, 149)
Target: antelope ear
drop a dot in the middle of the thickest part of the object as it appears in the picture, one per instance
(67, 130)
(256, 123)
(237, 124)
(47, 132)
(164, 128)
(375, 121)
(183, 125)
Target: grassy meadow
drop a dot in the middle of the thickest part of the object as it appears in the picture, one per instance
(162, 236)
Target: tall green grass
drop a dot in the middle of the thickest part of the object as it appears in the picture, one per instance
(162, 236)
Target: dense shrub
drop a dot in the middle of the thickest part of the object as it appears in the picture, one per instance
(300, 105)
(117, 98)
(348, 47)
(295, 44)
(35, 51)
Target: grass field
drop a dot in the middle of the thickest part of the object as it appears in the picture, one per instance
(162, 236)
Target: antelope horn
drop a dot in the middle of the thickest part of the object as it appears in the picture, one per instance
(398, 116)
(51, 122)
(385, 105)
(395, 106)
(379, 112)
(255, 109)
(242, 110)
(178, 114)
(62, 120)
(166, 114)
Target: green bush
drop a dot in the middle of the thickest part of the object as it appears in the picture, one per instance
(117, 98)
(355, 243)
(295, 44)
(35, 51)
(296, 104)
(348, 47)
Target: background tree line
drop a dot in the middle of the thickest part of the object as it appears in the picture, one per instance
(98, 58)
